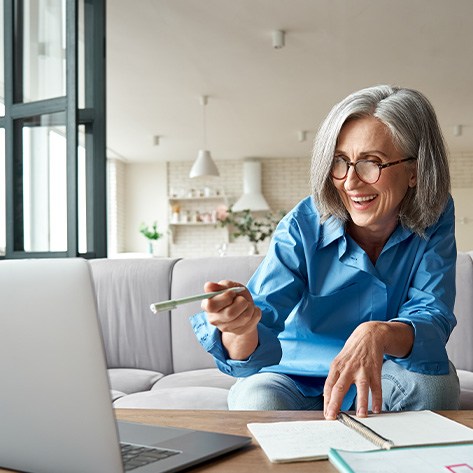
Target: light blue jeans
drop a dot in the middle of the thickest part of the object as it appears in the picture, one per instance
(403, 390)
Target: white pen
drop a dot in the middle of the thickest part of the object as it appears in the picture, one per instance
(173, 303)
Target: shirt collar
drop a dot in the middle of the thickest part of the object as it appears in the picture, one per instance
(330, 230)
(400, 233)
(333, 229)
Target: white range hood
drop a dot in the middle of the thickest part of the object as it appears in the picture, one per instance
(252, 197)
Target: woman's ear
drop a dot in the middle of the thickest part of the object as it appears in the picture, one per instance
(413, 177)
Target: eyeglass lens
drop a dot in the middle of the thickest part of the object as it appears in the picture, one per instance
(367, 171)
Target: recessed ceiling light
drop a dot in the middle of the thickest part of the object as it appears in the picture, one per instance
(302, 135)
(457, 130)
(278, 39)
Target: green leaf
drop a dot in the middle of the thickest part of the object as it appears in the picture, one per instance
(151, 233)
(244, 224)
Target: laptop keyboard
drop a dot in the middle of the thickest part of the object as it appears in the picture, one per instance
(135, 456)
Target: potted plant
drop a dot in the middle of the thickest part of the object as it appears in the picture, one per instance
(151, 234)
(245, 224)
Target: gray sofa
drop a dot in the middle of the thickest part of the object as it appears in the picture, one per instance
(156, 362)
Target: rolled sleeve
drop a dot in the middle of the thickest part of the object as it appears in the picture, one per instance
(429, 307)
(268, 351)
(428, 354)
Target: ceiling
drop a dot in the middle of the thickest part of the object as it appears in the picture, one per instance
(162, 55)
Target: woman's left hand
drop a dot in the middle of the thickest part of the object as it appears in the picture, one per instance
(360, 362)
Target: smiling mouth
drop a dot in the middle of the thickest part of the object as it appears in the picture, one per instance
(363, 200)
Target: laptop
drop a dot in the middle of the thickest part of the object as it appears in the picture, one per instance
(56, 413)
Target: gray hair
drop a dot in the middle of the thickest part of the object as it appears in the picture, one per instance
(412, 122)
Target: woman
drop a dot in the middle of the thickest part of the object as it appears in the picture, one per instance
(353, 304)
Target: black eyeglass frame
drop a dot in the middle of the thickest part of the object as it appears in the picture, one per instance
(380, 166)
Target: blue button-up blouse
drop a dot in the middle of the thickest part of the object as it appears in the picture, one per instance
(316, 285)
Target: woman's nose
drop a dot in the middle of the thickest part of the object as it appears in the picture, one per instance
(352, 180)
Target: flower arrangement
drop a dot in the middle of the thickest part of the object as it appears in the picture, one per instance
(245, 224)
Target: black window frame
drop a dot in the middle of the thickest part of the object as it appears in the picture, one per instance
(92, 117)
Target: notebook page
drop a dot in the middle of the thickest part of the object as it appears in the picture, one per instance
(448, 459)
(305, 440)
(418, 428)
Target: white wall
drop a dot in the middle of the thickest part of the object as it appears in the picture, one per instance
(145, 201)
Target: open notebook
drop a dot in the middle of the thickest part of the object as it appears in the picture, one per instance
(312, 440)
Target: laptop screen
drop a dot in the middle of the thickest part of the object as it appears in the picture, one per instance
(55, 392)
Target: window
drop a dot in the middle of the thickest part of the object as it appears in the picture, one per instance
(2, 141)
(44, 49)
(44, 184)
(2, 69)
(53, 190)
(3, 242)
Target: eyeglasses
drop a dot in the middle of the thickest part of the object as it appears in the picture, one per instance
(367, 171)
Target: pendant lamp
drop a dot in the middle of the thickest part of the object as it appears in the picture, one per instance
(204, 165)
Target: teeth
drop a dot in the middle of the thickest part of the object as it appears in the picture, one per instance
(363, 199)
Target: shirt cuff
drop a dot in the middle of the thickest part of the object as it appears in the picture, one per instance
(428, 354)
(268, 352)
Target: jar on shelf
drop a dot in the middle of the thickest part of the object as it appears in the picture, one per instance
(185, 217)
(196, 217)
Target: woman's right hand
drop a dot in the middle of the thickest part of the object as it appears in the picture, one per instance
(236, 316)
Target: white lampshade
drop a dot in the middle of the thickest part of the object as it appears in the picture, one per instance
(204, 165)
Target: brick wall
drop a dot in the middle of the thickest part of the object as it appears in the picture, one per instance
(461, 170)
(284, 183)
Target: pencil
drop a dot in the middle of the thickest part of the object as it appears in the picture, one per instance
(173, 303)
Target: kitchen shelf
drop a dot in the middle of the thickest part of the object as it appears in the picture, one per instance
(195, 205)
(193, 224)
(199, 199)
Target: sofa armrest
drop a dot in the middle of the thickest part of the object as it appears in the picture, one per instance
(460, 344)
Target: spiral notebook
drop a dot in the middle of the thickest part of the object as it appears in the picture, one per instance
(311, 440)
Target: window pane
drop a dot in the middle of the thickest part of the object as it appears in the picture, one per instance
(44, 46)
(45, 183)
(2, 193)
(81, 56)
(2, 65)
(81, 192)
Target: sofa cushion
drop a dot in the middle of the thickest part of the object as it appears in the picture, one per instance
(210, 377)
(188, 277)
(132, 380)
(176, 398)
(466, 386)
(133, 336)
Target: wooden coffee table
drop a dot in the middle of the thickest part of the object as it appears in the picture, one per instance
(251, 458)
